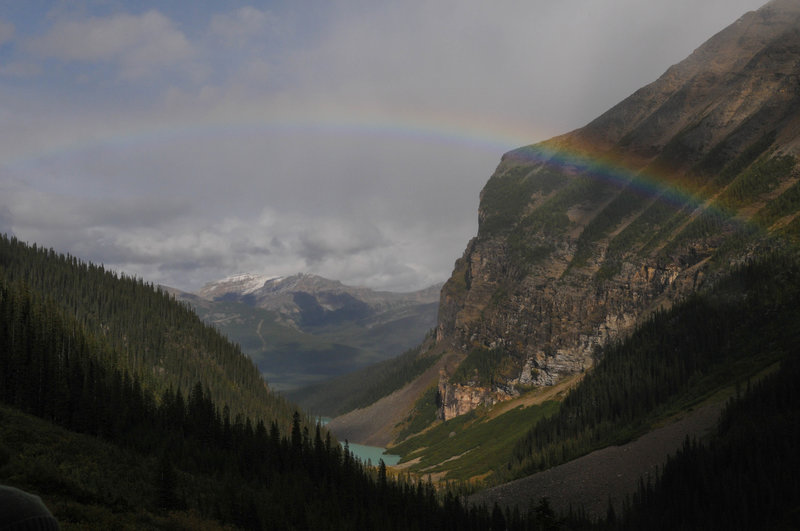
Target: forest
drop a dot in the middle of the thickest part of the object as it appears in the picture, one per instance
(80, 427)
(196, 460)
(142, 330)
(744, 478)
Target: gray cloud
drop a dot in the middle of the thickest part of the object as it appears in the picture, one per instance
(318, 243)
(6, 221)
(350, 140)
(6, 31)
(140, 44)
(240, 28)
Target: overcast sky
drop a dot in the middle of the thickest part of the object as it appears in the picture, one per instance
(185, 141)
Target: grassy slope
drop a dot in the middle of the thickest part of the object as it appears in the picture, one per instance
(467, 448)
(471, 447)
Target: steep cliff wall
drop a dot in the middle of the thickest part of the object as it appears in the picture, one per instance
(582, 236)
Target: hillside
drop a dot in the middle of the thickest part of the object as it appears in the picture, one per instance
(738, 473)
(363, 387)
(303, 329)
(140, 331)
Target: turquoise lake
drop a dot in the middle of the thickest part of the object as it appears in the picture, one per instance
(367, 453)
(373, 454)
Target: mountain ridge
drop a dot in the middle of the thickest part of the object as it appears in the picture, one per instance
(264, 291)
(746, 45)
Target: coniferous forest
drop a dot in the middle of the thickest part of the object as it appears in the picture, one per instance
(140, 329)
(196, 458)
(745, 478)
(91, 423)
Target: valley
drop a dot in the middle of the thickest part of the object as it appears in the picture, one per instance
(303, 329)
(584, 243)
(615, 349)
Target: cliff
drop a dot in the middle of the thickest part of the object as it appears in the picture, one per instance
(583, 235)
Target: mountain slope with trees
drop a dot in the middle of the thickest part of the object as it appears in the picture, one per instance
(749, 321)
(140, 331)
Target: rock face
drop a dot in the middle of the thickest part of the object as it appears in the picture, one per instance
(582, 236)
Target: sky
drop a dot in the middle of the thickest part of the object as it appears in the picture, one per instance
(186, 141)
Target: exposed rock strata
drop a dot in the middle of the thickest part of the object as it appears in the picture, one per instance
(570, 267)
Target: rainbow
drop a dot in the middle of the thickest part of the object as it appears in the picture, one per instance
(646, 182)
(476, 132)
(469, 131)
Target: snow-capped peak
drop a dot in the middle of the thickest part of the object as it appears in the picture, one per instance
(242, 283)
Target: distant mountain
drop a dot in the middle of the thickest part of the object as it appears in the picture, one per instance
(304, 328)
(307, 301)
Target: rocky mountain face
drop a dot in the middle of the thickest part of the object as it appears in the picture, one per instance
(303, 328)
(582, 236)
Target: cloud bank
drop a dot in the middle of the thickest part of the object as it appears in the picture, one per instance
(348, 138)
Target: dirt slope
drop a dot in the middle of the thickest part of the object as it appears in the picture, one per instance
(610, 473)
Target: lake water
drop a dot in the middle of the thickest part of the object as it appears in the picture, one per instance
(373, 454)
(367, 453)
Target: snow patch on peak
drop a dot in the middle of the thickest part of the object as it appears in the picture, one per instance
(243, 283)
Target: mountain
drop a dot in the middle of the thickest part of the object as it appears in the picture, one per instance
(307, 301)
(587, 441)
(302, 329)
(583, 236)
